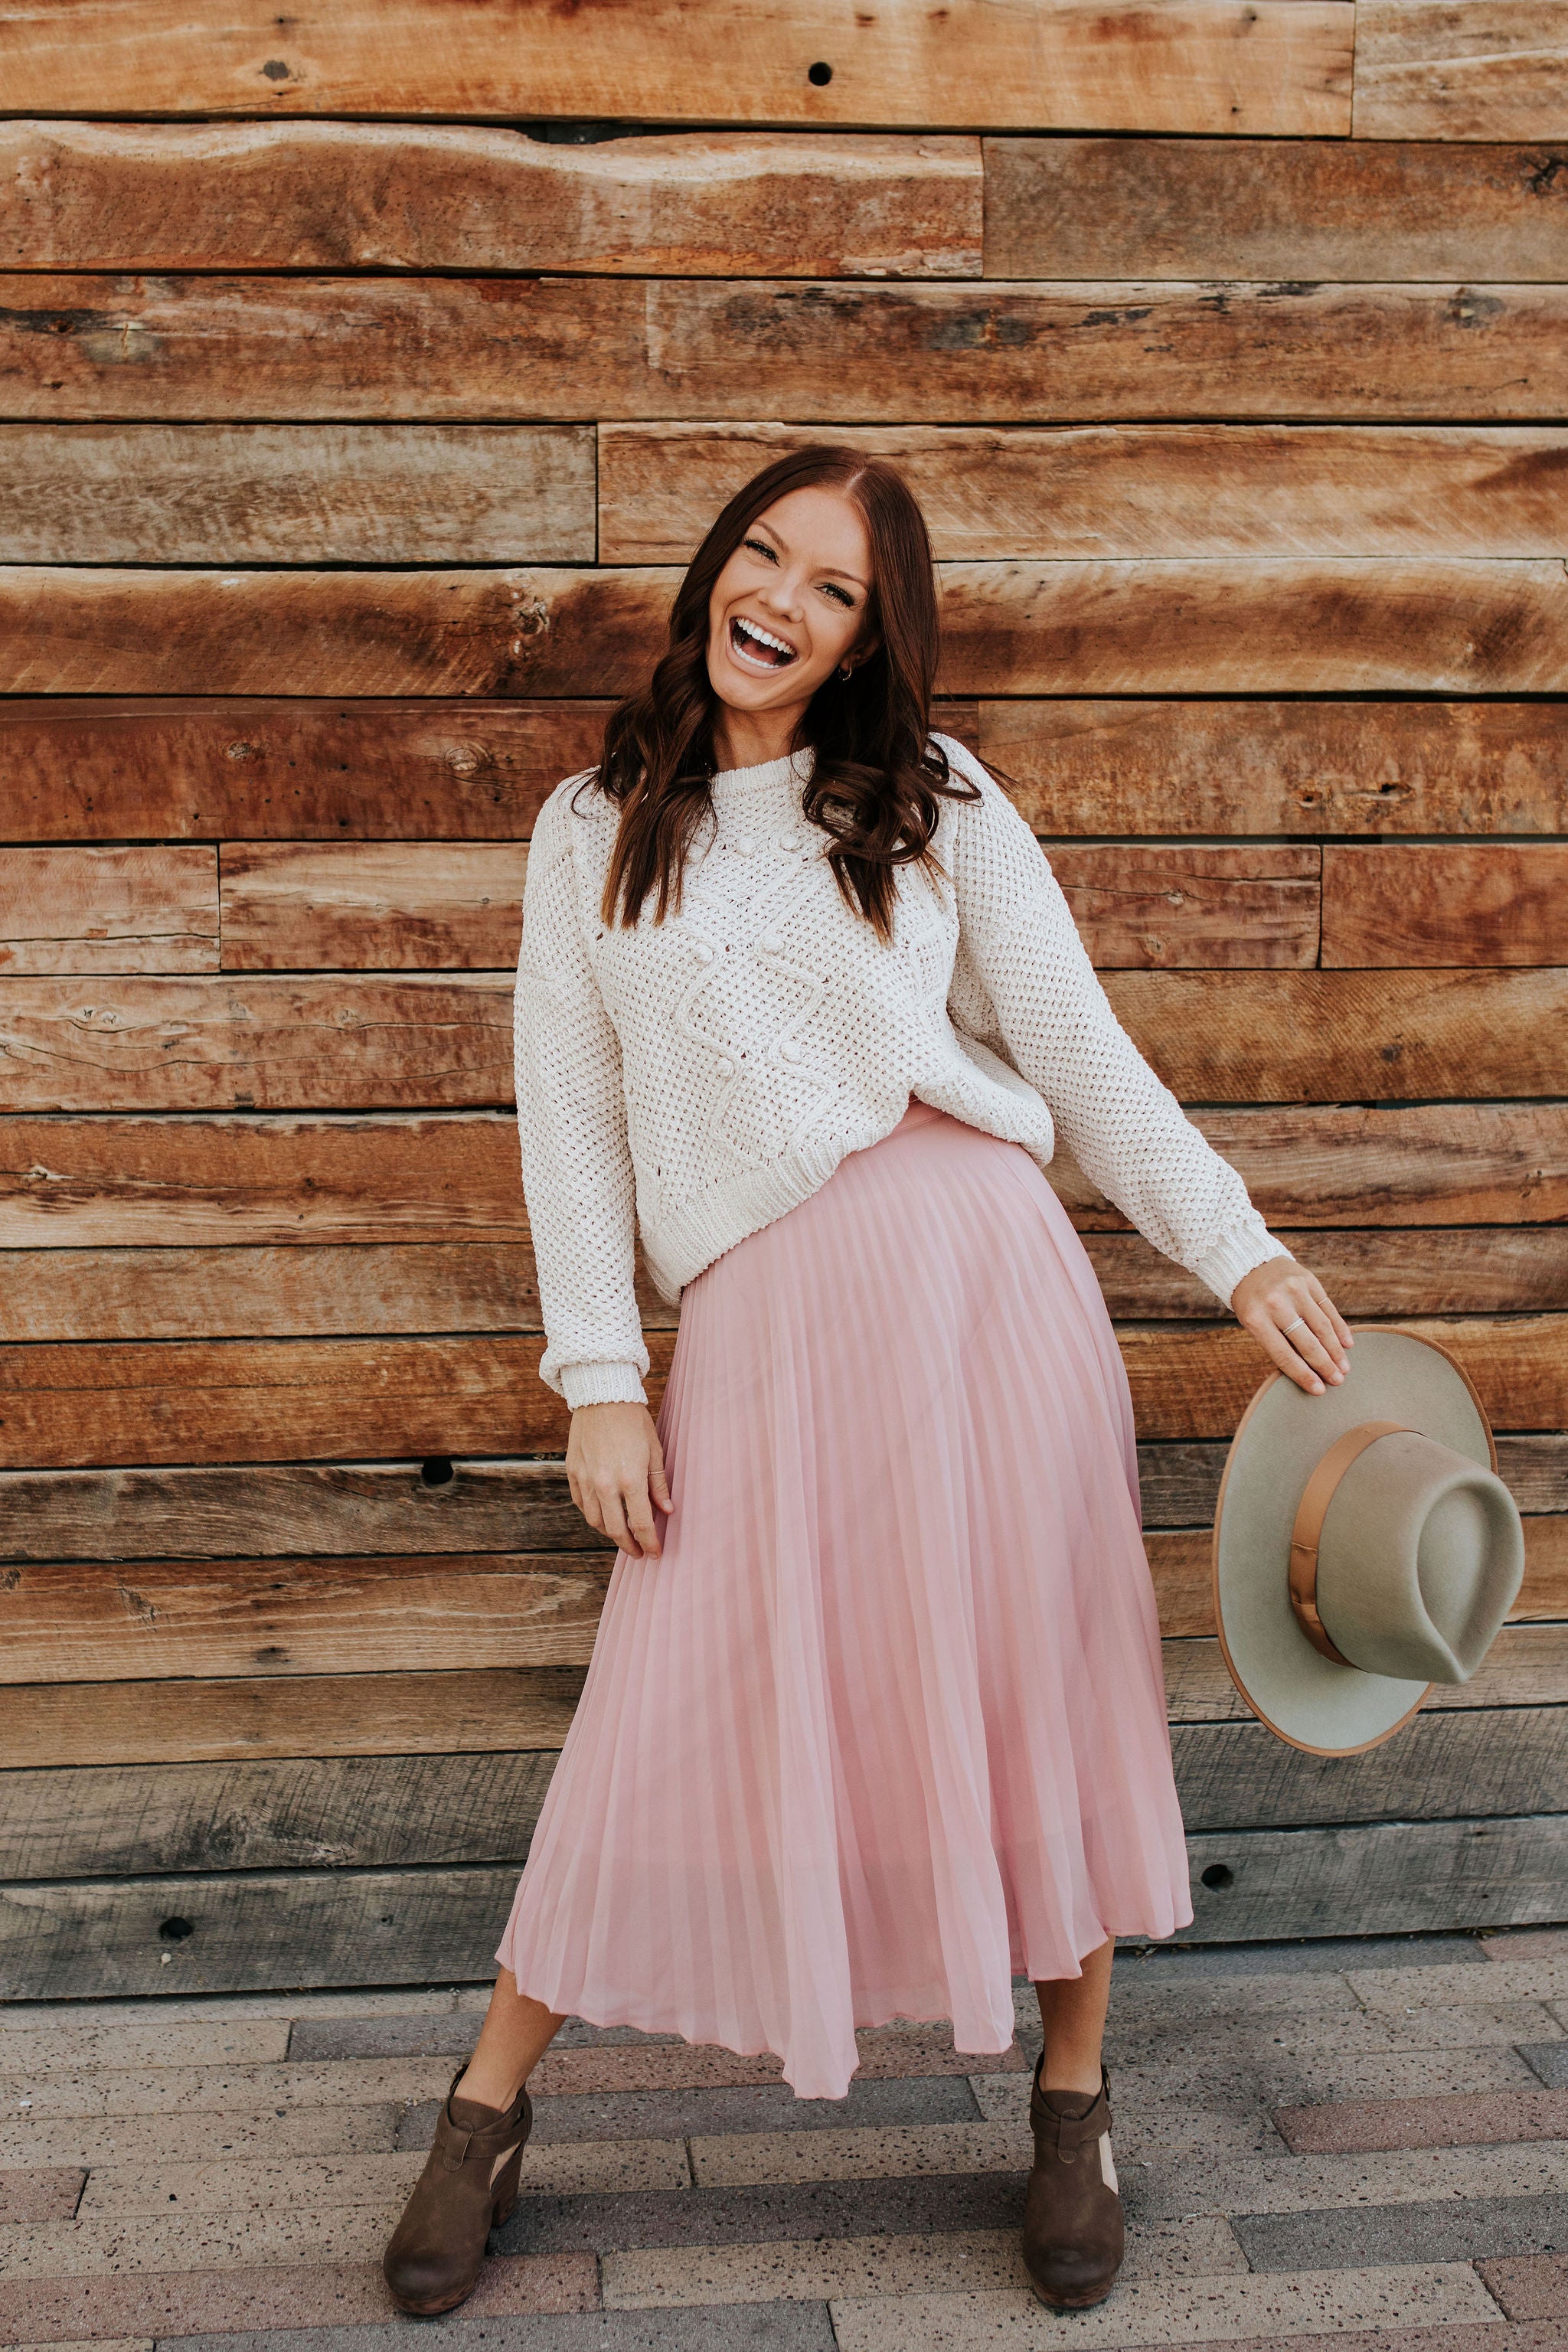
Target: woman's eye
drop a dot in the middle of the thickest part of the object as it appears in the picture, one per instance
(760, 547)
(842, 593)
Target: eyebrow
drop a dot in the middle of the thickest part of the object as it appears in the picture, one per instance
(831, 569)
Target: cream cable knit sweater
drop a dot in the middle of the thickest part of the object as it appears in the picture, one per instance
(701, 1077)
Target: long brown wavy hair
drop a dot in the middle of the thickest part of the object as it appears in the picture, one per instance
(876, 784)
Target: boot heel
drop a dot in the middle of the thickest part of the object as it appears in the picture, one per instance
(506, 2191)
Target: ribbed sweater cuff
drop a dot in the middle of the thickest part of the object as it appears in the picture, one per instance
(1234, 1253)
(602, 1384)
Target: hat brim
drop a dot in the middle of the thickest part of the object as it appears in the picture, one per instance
(1306, 1699)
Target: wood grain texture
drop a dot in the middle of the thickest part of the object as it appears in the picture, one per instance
(1189, 1383)
(340, 1041)
(1389, 1877)
(50, 1724)
(438, 350)
(307, 1812)
(458, 905)
(1258, 626)
(1083, 492)
(443, 770)
(327, 1291)
(279, 1400)
(332, 1510)
(1152, 766)
(1527, 1666)
(362, 1041)
(216, 1182)
(1461, 69)
(63, 1406)
(225, 1181)
(408, 196)
(108, 911)
(352, 1509)
(1181, 1562)
(1321, 1037)
(1269, 209)
(253, 1930)
(65, 1622)
(1470, 903)
(236, 769)
(1213, 909)
(1442, 1270)
(1444, 1766)
(1279, 65)
(372, 906)
(296, 493)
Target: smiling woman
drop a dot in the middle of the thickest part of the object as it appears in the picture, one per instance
(875, 1719)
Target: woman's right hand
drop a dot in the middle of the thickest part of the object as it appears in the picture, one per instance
(615, 1467)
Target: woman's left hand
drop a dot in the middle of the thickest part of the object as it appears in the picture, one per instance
(1295, 1322)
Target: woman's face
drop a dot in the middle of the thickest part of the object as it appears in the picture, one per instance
(790, 604)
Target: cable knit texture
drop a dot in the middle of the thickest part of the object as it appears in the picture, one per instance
(701, 1077)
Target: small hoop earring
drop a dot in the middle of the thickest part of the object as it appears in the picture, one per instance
(845, 671)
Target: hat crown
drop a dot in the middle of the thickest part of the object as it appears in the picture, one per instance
(1420, 1557)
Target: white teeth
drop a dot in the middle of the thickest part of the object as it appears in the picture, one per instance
(762, 636)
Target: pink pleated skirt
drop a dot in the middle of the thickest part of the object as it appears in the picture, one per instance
(885, 1725)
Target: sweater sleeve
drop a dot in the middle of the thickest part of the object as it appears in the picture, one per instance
(1023, 981)
(577, 1174)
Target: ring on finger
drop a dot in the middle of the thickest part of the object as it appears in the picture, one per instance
(1285, 1329)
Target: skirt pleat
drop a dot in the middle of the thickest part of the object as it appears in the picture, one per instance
(885, 1725)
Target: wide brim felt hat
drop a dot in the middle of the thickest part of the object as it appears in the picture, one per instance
(1408, 1550)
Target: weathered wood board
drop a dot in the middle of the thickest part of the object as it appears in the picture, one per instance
(1527, 1666)
(253, 1929)
(372, 906)
(444, 1505)
(1461, 69)
(220, 1181)
(66, 1623)
(1470, 903)
(449, 350)
(1283, 66)
(412, 196)
(108, 911)
(1263, 626)
(359, 1812)
(1089, 492)
(50, 1725)
(297, 493)
(1280, 208)
(246, 768)
(126, 1402)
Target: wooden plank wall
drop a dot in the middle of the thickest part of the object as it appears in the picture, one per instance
(367, 379)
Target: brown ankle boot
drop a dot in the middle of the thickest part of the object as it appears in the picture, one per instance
(470, 2182)
(1073, 2238)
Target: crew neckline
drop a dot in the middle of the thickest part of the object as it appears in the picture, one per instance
(794, 765)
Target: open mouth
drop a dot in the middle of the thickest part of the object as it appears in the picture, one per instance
(757, 648)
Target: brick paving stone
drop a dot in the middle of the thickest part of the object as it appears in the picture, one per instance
(945, 2263)
(1531, 1977)
(779, 2156)
(1454, 2230)
(766, 2107)
(1303, 2184)
(97, 2343)
(167, 2009)
(1548, 2060)
(1350, 2124)
(905, 2205)
(740, 2327)
(680, 2066)
(1532, 2287)
(1183, 2311)
(154, 2139)
(1157, 2120)
(212, 2090)
(47, 2194)
(1405, 2074)
(222, 2303)
(599, 2167)
(1357, 2033)
(292, 2236)
(1524, 1943)
(1327, 1994)
(440, 2036)
(218, 2042)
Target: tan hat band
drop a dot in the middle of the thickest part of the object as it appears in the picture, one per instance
(1307, 1533)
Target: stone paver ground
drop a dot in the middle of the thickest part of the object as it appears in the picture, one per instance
(1367, 2140)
